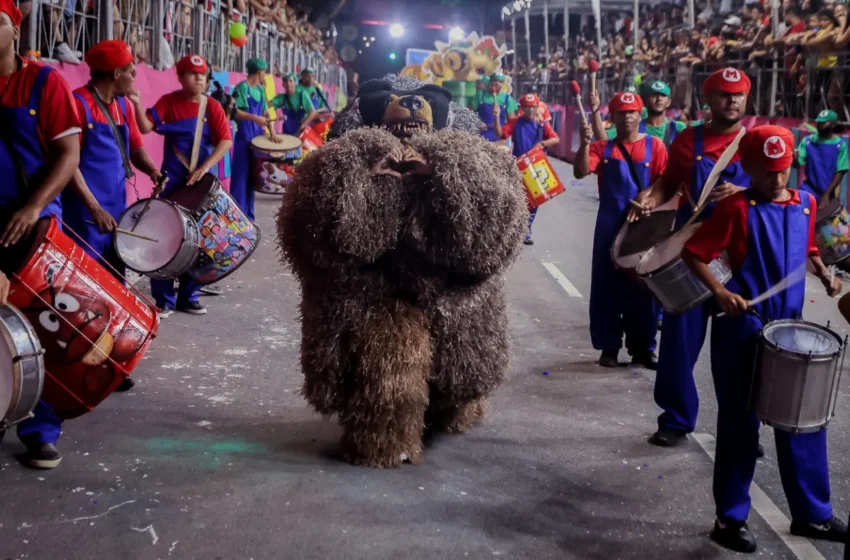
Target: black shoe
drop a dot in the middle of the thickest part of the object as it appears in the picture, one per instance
(42, 456)
(2, 433)
(665, 437)
(609, 359)
(646, 359)
(125, 385)
(211, 290)
(735, 536)
(192, 308)
(528, 241)
(833, 530)
(760, 452)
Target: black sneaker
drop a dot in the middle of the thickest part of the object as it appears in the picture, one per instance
(211, 290)
(735, 536)
(665, 437)
(760, 452)
(125, 385)
(192, 308)
(42, 456)
(166, 312)
(646, 359)
(609, 359)
(528, 241)
(833, 530)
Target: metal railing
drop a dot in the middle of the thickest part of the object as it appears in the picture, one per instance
(160, 32)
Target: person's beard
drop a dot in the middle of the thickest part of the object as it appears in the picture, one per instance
(826, 131)
(722, 122)
(650, 112)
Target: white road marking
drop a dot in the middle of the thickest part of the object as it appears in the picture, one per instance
(801, 547)
(562, 280)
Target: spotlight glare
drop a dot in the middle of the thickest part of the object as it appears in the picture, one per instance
(456, 34)
(397, 30)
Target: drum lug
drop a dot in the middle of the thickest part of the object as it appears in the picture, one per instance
(21, 357)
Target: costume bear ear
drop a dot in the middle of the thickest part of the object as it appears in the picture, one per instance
(373, 97)
(373, 86)
(439, 98)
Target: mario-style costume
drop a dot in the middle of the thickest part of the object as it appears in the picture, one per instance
(822, 156)
(104, 163)
(618, 304)
(482, 84)
(295, 107)
(314, 92)
(252, 100)
(525, 134)
(765, 241)
(175, 117)
(693, 155)
(506, 103)
(666, 132)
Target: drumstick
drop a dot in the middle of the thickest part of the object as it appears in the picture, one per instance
(594, 68)
(148, 203)
(128, 232)
(795, 276)
(714, 176)
(576, 91)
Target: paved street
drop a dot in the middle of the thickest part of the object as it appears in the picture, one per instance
(215, 456)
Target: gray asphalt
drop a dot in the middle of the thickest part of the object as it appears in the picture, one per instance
(214, 455)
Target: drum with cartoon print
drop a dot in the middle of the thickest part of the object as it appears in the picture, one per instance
(832, 232)
(94, 329)
(228, 236)
(273, 162)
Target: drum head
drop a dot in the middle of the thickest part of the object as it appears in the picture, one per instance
(802, 337)
(193, 197)
(666, 251)
(829, 211)
(287, 143)
(161, 222)
(642, 235)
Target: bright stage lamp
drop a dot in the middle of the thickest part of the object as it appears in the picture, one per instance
(397, 30)
(456, 34)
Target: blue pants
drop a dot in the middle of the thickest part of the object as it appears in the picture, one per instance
(532, 213)
(165, 297)
(620, 305)
(241, 188)
(802, 458)
(682, 337)
(43, 427)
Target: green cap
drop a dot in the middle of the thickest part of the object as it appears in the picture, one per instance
(644, 113)
(255, 65)
(631, 89)
(307, 71)
(706, 107)
(630, 50)
(483, 80)
(290, 75)
(497, 78)
(658, 87)
(827, 116)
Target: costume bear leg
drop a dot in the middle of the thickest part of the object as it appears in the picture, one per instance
(387, 396)
(453, 419)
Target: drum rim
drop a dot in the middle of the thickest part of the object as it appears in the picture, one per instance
(283, 150)
(815, 357)
(178, 209)
(18, 367)
(832, 214)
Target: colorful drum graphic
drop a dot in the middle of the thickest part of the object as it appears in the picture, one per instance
(541, 182)
(832, 232)
(273, 162)
(94, 330)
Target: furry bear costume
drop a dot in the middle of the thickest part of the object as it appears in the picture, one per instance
(399, 232)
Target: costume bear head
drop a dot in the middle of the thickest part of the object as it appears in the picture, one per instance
(404, 112)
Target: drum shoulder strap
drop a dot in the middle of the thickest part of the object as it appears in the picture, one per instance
(119, 138)
(628, 158)
(199, 133)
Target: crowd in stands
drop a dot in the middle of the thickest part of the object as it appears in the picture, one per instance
(808, 51)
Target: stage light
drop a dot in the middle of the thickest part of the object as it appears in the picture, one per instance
(517, 5)
(397, 30)
(392, 56)
(371, 39)
(367, 45)
(456, 34)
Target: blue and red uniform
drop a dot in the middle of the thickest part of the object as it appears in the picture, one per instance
(36, 109)
(694, 152)
(175, 117)
(618, 304)
(765, 242)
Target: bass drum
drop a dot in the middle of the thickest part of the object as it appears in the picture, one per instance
(21, 367)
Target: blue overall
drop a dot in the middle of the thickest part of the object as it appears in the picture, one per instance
(682, 335)
(485, 113)
(28, 151)
(821, 162)
(777, 244)
(240, 178)
(293, 118)
(103, 169)
(179, 137)
(527, 134)
(619, 304)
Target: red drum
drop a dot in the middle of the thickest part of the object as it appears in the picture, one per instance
(310, 140)
(93, 329)
(541, 182)
(322, 127)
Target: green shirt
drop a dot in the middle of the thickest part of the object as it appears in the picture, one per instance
(697, 123)
(312, 92)
(243, 91)
(843, 163)
(504, 100)
(300, 100)
(656, 131)
(476, 99)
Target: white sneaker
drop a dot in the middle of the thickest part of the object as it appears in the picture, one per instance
(64, 54)
(167, 312)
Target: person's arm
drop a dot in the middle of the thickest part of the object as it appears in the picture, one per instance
(582, 167)
(142, 161)
(596, 117)
(144, 123)
(221, 136)
(4, 288)
(731, 303)
(830, 281)
(102, 219)
(497, 123)
(246, 116)
(550, 138)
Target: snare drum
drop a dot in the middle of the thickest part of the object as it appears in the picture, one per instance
(228, 236)
(22, 370)
(671, 280)
(310, 141)
(268, 161)
(832, 232)
(797, 372)
(636, 238)
(93, 328)
(178, 239)
(538, 176)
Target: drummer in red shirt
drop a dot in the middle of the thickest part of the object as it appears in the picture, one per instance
(39, 152)
(626, 165)
(692, 157)
(767, 232)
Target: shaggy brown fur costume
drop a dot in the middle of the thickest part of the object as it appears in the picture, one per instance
(404, 321)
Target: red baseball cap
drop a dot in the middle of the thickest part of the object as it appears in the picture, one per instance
(529, 100)
(727, 80)
(625, 101)
(9, 7)
(193, 63)
(769, 147)
(107, 56)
